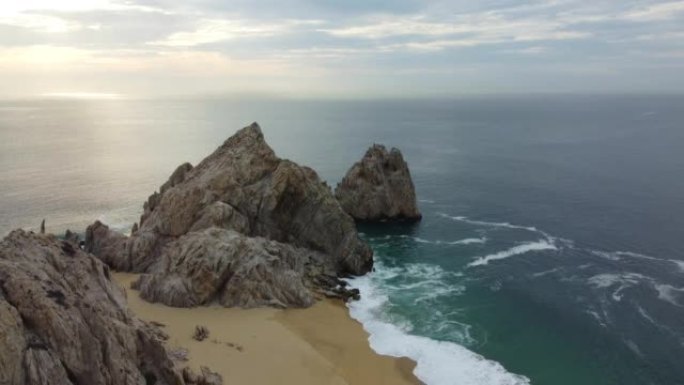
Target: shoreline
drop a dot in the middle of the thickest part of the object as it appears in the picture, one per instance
(317, 345)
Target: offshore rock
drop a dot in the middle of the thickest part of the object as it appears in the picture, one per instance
(63, 321)
(379, 188)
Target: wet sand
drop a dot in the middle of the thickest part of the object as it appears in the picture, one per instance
(318, 346)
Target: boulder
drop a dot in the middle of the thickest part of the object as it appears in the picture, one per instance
(108, 245)
(235, 270)
(379, 188)
(63, 320)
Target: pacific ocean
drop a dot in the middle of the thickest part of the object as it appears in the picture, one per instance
(551, 246)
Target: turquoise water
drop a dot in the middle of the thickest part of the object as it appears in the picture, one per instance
(551, 246)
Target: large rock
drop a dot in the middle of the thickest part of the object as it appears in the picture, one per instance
(63, 321)
(231, 268)
(379, 187)
(244, 187)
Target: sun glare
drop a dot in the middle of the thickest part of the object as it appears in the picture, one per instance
(9, 8)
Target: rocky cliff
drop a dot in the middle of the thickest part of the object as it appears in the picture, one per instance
(299, 232)
(63, 321)
(235, 270)
(379, 187)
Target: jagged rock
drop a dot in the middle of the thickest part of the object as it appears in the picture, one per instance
(108, 245)
(378, 188)
(243, 186)
(63, 321)
(235, 270)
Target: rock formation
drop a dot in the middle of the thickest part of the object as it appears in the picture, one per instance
(235, 270)
(243, 226)
(379, 187)
(63, 321)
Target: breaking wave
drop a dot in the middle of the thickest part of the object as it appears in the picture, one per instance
(437, 362)
(466, 241)
(515, 250)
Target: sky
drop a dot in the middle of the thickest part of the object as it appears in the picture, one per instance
(339, 48)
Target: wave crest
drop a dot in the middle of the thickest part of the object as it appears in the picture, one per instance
(437, 362)
(515, 250)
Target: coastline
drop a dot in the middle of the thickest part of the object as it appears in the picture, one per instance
(318, 345)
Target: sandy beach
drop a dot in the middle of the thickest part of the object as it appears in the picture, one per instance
(319, 345)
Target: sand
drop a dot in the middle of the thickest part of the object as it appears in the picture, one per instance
(318, 346)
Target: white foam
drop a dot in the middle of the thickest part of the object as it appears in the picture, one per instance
(617, 294)
(606, 255)
(516, 250)
(617, 255)
(648, 317)
(680, 264)
(668, 293)
(607, 280)
(634, 347)
(437, 362)
(507, 225)
(464, 219)
(612, 255)
(546, 272)
(466, 241)
(424, 282)
(597, 317)
(423, 271)
(624, 281)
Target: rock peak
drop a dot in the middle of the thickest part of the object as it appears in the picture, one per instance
(252, 130)
(246, 136)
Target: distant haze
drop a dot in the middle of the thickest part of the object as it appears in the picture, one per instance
(327, 48)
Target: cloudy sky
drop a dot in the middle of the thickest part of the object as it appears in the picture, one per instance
(340, 48)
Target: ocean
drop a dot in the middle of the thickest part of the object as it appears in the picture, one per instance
(550, 251)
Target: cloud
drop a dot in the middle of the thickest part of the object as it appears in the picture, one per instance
(462, 31)
(291, 9)
(40, 23)
(661, 11)
(343, 45)
(216, 30)
(531, 50)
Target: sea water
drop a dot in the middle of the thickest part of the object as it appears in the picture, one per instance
(551, 246)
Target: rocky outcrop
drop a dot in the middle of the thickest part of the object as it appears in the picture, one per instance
(296, 230)
(231, 268)
(378, 188)
(63, 321)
